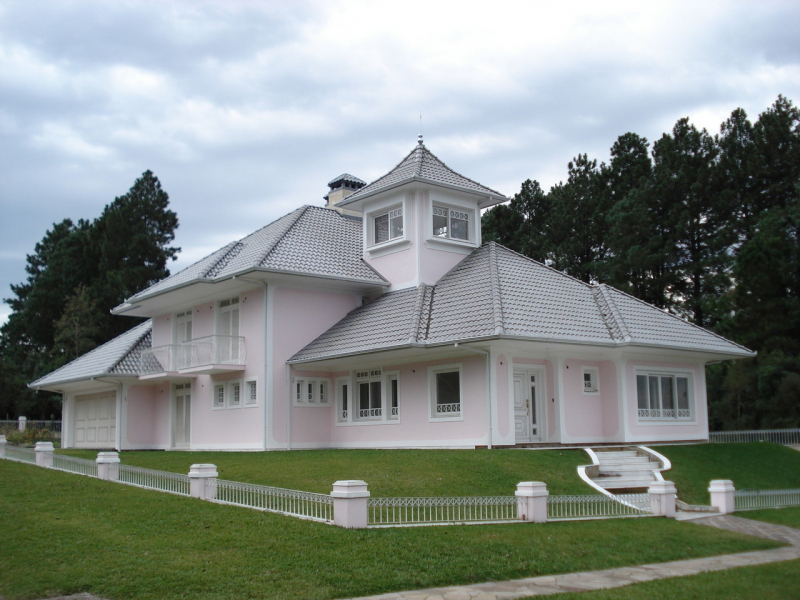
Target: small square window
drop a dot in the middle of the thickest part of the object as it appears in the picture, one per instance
(387, 226)
(590, 380)
(251, 393)
(235, 394)
(450, 223)
(219, 395)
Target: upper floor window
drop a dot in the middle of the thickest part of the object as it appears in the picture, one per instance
(451, 223)
(228, 330)
(183, 326)
(663, 396)
(387, 225)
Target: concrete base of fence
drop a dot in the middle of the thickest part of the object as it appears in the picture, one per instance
(662, 498)
(108, 466)
(723, 495)
(350, 499)
(44, 454)
(2, 446)
(198, 475)
(532, 501)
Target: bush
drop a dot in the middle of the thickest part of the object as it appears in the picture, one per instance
(30, 436)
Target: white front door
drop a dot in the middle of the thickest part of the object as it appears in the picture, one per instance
(526, 407)
(182, 416)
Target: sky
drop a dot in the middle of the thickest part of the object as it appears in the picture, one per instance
(244, 110)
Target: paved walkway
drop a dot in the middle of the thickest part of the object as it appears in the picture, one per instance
(611, 578)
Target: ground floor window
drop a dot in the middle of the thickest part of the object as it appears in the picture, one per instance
(445, 392)
(664, 396)
(370, 395)
(311, 391)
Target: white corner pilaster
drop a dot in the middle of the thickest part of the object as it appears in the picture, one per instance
(107, 466)
(198, 476)
(532, 501)
(723, 495)
(350, 499)
(44, 454)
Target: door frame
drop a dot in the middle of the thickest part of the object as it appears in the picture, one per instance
(540, 406)
(173, 415)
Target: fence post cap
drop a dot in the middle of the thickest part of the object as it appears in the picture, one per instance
(44, 447)
(203, 470)
(107, 457)
(531, 489)
(350, 488)
(721, 485)
(23, 419)
(662, 487)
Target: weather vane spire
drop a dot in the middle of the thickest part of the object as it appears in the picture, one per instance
(419, 137)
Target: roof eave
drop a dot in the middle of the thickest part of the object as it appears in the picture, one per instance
(492, 198)
(56, 385)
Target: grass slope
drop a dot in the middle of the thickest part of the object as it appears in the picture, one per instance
(789, 517)
(65, 534)
(760, 465)
(388, 472)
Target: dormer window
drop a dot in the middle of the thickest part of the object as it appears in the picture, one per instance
(387, 225)
(451, 223)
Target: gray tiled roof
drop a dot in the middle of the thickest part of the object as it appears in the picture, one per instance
(497, 292)
(347, 177)
(119, 356)
(421, 164)
(308, 241)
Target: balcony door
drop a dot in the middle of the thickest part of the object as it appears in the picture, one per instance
(228, 331)
(182, 415)
(183, 337)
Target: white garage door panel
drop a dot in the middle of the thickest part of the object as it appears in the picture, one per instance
(95, 420)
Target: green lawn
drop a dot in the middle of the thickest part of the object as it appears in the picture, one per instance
(388, 472)
(774, 581)
(790, 516)
(65, 534)
(760, 465)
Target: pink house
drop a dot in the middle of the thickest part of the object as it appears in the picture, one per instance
(381, 321)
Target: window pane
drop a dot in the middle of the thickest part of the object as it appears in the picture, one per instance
(448, 390)
(667, 393)
(654, 392)
(344, 397)
(459, 225)
(381, 228)
(641, 391)
(375, 394)
(394, 393)
(440, 222)
(683, 392)
(396, 223)
(363, 396)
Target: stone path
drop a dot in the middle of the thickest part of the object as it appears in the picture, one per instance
(611, 578)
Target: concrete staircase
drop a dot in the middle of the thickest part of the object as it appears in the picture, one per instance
(624, 469)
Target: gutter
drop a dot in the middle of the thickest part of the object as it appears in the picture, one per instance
(488, 388)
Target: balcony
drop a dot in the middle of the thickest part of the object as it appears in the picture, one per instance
(206, 355)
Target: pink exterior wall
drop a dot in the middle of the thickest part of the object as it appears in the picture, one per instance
(505, 397)
(549, 406)
(399, 267)
(147, 420)
(299, 317)
(162, 331)
(663, 431)
(590, 417)
(435, 263)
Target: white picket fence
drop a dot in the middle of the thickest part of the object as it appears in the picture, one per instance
(27, 455)
(441, 510)
(174, 483)
(304, 505)
(786, 437)
(72, 464)
(596, 507)
(755, 499)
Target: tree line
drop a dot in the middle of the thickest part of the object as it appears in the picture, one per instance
(78, 272)
(704, 226)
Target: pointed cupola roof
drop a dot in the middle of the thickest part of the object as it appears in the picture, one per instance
(422, 165)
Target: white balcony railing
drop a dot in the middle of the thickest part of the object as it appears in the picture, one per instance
(200, 352)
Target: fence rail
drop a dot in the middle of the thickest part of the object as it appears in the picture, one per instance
(27, 455)
(71, 464)
(593, 507)
(753, 499)
(174, 483)
(468, 509)
(787, 437)
(306, 505)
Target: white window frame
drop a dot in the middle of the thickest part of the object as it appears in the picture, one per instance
(250, 392)
(226, 306)
(344, 411)
(235, 389)
(594, 388)
(392, 214)
(434, 415)
(369, 377)
(437, 208)
(216, 388)
(660, 415)
(392, 412)
(312, 391)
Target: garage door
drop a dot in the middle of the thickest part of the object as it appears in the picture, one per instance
(96, 420)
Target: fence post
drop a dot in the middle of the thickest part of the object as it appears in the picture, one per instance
(350, 503)
(723, 495)
(532, 501)
(662, 498)
(2, 446)
(108, 466)
(44, 454)
(198, 475)
(22, 423)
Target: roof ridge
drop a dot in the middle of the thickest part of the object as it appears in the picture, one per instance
(494, 283)
(611, 318)
(148, 332)
(416, 316)
(299, 212)
(234, 249)
(430, 313)
(441, 162)
(617, 315)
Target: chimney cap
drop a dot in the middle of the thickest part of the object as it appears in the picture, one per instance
(345, 178)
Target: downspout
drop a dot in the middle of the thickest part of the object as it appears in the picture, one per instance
(488, 388)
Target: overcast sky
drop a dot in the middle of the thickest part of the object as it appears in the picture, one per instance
(245, 110)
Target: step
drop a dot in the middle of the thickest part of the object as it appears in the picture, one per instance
(649, 467)
(623, 482)
(628, 460)
(617, 453)
(626, 475)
